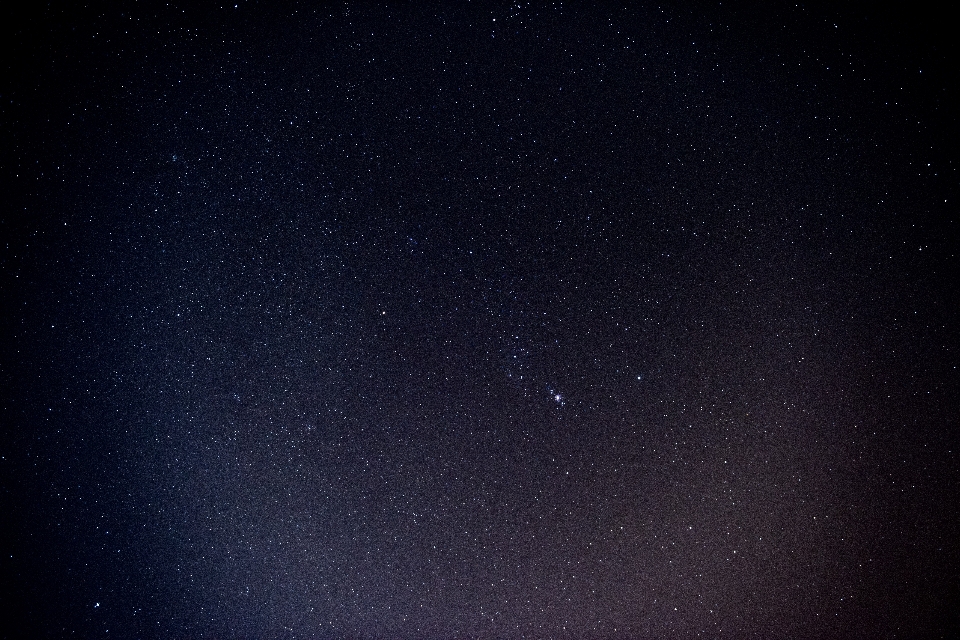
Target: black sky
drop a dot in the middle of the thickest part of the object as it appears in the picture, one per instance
(481, 320)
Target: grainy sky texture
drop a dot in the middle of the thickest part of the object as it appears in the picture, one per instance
(479, 320)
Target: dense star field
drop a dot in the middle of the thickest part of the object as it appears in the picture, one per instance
(479, 320)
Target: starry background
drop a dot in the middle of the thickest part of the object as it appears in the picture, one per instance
(479, 321)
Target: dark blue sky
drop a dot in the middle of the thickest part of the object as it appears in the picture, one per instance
(479, 321)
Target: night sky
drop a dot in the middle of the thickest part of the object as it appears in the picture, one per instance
(479, 320)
